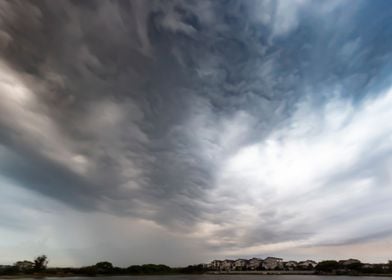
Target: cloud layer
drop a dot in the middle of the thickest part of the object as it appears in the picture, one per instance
(228, 128)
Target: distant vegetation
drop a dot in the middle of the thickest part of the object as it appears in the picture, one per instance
(352, 267)
(38, 267)
(40, 263)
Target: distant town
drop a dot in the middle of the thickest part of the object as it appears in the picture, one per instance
(349, 266)
(254, 264)
(270, 265)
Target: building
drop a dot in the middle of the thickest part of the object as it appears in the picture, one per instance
(240, 264)
(308, 264)
(290, 265)
(254, 264)
(368, 266)
(227, 265)
(272, 263)
(205, 265)
(349, 262)
(215, 265)
(24, 265)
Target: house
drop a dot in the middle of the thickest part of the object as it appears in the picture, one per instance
(240, 264)
(376, 267)
(290, 265)
(254, 264)
(368, 266)
(308, 264)
(24, 265)
(349, 262)
(272, 263)
(227, 265)
(215, 265)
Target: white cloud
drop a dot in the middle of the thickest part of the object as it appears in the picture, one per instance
(284, 16)
(172, 20)
(30, 121)
(313, 174)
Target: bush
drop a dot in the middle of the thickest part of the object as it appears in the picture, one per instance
(327, 266)
(193, 269)
(149, 269)
(104, 267)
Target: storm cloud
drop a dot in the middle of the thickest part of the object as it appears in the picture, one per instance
(229, 128)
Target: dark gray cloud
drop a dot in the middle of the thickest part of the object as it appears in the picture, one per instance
(148, 109)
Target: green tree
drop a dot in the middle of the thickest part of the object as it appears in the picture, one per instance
(40, 263)
(327, 266)
(135, 269)
(104, 267)
(355, 266)
(87, 270)
(9, 270)
(194, 269)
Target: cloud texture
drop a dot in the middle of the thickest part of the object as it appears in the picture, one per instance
(228, 128)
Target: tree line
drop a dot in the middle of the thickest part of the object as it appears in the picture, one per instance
(39, 266)
(353, 268)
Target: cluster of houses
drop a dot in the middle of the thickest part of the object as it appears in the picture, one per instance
(20, 266)
(24, 265)
(270, 263)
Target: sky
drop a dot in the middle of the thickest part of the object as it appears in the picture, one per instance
(179, 132)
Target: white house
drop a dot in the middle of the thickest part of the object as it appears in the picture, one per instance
(240, 264)
(227, 265)
(215, 265)
(308, 264)
(24, 265)
(349, 262)
(272, 263)
(254, 263)
(290, 265)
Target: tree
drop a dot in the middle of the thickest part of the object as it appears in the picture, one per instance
(355, 266)
(135, 269)
(9, 270)
(88, 270)
(193, 269)
(104, 267)
(40, 263)
(327, 266)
